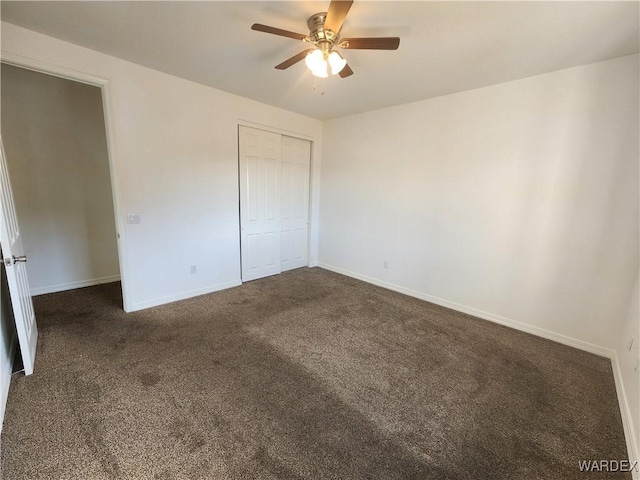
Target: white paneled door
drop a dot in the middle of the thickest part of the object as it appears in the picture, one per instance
(260, 222)
(274, 202)
(296, 160)
(14, 260)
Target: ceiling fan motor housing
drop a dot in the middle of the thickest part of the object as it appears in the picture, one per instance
(323, 39)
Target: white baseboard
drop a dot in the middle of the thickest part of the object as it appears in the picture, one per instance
(625, 408)
(184, 295)
(61, 287)
(5, 379)
(524, 327)
(625, 413)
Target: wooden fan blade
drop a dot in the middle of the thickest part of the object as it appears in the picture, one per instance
(338, 10)
(293, 60)
(277, 31)
(377, 43)
(346, 72)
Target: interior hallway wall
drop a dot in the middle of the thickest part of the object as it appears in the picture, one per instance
(55, 142)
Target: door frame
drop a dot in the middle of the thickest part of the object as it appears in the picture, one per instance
(105, 87)
(312, 179)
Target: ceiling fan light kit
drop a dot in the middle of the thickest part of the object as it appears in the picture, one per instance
(324, 33)
(322, 64)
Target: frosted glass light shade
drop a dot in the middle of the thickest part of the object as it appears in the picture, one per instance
(322, 64)
(336, 62)
(317, 63)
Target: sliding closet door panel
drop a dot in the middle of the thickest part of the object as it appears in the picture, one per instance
(260, 202)
(287, 237)
(296, 161)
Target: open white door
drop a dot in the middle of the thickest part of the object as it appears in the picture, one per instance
(260, 226)
(14, 261)
(296, 160)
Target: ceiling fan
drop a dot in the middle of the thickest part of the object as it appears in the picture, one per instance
(324, 35)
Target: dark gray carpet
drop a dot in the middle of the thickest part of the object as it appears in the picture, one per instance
(305, 375)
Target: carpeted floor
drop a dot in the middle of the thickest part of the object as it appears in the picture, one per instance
(305, 375)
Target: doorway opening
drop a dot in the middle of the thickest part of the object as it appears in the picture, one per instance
(55, 137)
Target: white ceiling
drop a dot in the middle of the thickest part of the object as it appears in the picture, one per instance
(445, 47)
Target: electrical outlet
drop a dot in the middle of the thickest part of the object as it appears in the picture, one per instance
(194, 269)
(133, 218)
(386, 264)
(630, 344)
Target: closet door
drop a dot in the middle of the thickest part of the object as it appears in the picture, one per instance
(296, 161)
(260, 202)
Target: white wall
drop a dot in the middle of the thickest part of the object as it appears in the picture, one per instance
(629, 365)
(175, 156)
(54, 138)
(517, 202)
